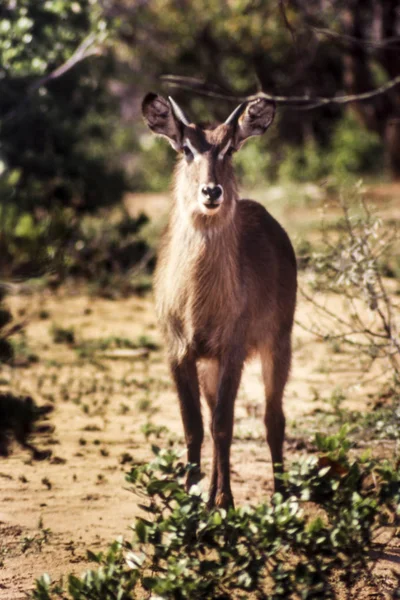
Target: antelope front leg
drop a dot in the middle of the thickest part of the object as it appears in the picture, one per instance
(222, 431)
(275, 368)
(184, 374)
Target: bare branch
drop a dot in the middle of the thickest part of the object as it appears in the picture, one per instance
(306, 102)
(85, 49)
(390, 43)
(367, 324)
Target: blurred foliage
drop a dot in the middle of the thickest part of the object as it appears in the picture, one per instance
(355, 150)
(308, 163)
(238, 46)
(352, 150)
(104, 249)
(68, 142)
(56, 138)
(153, 165)
(242, 47)
(74, 139)
(29, 246)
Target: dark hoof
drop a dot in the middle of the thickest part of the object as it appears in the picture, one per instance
(211, 503)
(193, 478)
(280, 488)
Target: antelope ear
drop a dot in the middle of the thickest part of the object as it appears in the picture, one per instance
(252, 118)
(164, 117)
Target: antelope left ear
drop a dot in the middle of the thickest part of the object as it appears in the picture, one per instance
(165, 117)
(252, 118)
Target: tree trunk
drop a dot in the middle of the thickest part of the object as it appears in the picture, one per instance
(392, 147)
(374, 20)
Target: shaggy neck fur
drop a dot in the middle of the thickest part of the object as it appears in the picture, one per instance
(201, 276)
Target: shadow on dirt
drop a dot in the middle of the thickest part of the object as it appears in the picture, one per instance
(20, 420)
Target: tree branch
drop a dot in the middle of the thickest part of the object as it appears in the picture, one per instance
(391, 43)
(305, 102)
(85, 49)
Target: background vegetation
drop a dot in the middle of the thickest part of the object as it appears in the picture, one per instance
(73, 73)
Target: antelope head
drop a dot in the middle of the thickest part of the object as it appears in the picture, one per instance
(205, 177)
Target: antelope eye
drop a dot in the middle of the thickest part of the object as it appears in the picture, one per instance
(187, 152)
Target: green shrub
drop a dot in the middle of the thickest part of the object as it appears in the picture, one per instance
(253, 163)
(354, 149)
(31, 246)
(351, 150)
(57, 138)
(302, 546)
(153, 165)
(64, 244)
(308, 163)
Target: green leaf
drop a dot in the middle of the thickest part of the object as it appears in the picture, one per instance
(149, 583)
(94, 557)
(141, 531)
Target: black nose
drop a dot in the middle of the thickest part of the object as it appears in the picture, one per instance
(211, 192)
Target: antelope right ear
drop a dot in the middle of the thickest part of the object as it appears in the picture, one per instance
(164, 117)
(251, 118)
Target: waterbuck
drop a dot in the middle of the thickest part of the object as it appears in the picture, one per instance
(225, 284)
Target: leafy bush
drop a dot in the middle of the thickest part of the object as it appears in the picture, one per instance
(380, 422)
(64, 244)
(308, 163)
(32, 246)
(355, 150)
(254, 163)
(56, 135)
(152, 166)
(301, 546)
(351, 151)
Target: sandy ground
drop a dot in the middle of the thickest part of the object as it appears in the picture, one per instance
(52, 512)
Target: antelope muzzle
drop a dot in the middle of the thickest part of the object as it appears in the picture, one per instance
(211, 197)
